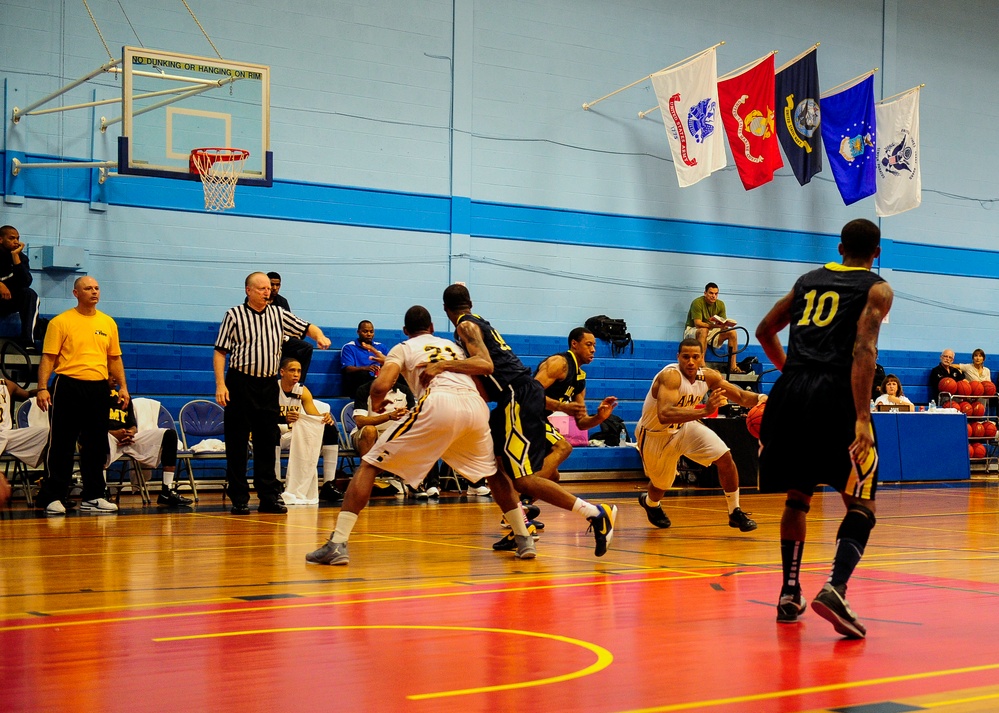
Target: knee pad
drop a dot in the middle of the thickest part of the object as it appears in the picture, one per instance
(856, 525)
(797, 505)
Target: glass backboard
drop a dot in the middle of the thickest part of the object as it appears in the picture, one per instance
(173, 103)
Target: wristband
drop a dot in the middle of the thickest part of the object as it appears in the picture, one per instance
(41, 389)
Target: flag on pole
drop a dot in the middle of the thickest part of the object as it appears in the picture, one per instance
(797, 100)
(849, 130)
(747, 109)
(688, 101)
(900, 184)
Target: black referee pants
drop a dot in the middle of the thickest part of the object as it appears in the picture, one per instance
(79, 412)
(253, 408)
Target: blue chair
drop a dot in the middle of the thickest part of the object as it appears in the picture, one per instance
(200, 419)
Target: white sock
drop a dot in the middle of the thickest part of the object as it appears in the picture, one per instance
(167, 479)
(733, 500)
(330, 456)
(586, 509)
(648, 501)
(515, 518)
(345, 522)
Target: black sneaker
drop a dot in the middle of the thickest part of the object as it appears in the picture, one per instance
(740, 519)
(602, 525)
(240, 509)
(172, 499)
(832, 606)
(790, 608)
(274, 507)
(509, 541)
(531, 511)
(328, 493)
(656, 515)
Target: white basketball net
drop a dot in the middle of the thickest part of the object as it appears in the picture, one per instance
(219, 170)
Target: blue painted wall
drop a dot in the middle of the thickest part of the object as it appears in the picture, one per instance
(418, 143)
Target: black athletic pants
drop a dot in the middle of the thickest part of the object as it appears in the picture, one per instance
(78, 412)
(252, 408)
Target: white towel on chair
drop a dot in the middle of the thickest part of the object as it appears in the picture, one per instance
(302, 483)
(147, 413)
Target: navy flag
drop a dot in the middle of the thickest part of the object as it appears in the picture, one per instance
(797, 103)
(849, 130)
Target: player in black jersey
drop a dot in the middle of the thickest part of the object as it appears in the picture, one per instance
(817, 424)
(564, 381)
(518, 420)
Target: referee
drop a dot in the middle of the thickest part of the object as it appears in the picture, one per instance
(252, 334)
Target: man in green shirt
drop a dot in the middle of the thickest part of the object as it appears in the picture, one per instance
(707, 321)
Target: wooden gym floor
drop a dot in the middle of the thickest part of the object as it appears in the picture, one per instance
(203, 611)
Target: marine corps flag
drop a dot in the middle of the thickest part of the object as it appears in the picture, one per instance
(900, 185)
(798, 115)
(849, 130)
(747, 108)
(688, 100)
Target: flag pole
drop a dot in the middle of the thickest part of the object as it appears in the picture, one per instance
(587, 105)
(850, 82)
(748, 64)
(907, 91)
(795, 59)
(643, 114)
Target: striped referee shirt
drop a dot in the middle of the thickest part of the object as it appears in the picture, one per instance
(253, 339)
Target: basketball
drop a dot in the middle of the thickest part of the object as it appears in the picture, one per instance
(964, 387)
(977, 430)
(754, 418)
(990, 429)
(989, 388)
(947, 384)
(713, 414)
(978, 409)
(970, 431)
(971, 451)
(965, 408)
(977, 388)
(948, 404)
(979, 450)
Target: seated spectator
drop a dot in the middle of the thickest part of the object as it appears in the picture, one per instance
(16, 294)
(892, 395)
(293, 348)
(707, 322)
(294, 399)
(943, 369)
(976, 370)
(28, 445)
(879, 378)
(150, 447)
(371, 424)
(360, 359)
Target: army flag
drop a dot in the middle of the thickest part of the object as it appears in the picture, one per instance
(746, 101)
(798, 115)
(688, 101)
(849, 130)
(900, 186)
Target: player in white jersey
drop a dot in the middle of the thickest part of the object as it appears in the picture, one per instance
(450, 421)
(670, 428)
(25, 444)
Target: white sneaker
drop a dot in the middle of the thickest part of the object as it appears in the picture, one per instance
(481, 490)
(55, 508)
(433, 492)
(98, 505)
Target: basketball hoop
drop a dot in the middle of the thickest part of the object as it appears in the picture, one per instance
(219, 170)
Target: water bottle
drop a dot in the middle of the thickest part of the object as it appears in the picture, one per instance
(872, 406)
(932, 406)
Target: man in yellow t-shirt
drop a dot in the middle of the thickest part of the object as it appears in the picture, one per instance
(81, 346)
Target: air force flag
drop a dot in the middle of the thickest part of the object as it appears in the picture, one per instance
(849, 131)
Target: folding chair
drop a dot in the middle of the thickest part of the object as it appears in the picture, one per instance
(346, 424)
(20, 478)
(141, 406)
(165, 420)
(200, 419)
